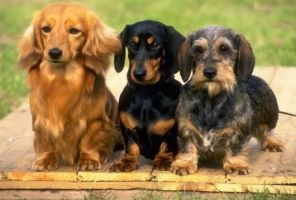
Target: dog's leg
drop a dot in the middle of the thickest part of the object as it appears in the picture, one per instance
(96, 142)
(164, 158)
(267, 141)
(46, 158)
(236, 163)
(130, 160)
(186, 160)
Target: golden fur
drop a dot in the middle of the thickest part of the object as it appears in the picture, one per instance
(74, 113)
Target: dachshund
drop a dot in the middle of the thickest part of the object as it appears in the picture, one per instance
(222, 106)
(66, 53)
(147, 103)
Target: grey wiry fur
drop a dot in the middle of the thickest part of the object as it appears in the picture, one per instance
(222, 106)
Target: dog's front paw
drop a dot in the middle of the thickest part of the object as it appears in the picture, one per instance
(181, 167)
(88, 165)
(163, 161)
(125, 164)
(236, 165)
(272, 144)
(48, 162)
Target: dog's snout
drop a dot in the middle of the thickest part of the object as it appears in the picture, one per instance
(55, 53)
(210, 72)
(140, 74)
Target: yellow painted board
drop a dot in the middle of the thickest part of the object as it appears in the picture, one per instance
(114, 176)
(166, 186)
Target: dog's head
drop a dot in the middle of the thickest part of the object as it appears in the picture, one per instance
(63, 32)
(218, 57)
(152, 51)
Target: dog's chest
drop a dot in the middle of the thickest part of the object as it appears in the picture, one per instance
(59, 88)
(148, 107)
(211, 114)
(54, 96)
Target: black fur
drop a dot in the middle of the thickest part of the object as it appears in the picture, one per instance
(149, 103)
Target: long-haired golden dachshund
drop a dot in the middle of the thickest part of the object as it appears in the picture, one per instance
(66, 53)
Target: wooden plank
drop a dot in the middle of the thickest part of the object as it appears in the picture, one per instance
(166, 186)
(72, 176)
(205, 177)
(146, 176)
(114, 176)
(40, 176)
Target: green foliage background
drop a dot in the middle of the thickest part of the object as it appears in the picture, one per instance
(269, 25)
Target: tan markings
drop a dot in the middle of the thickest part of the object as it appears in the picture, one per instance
(267, 141)
(186, 160)
(152, 71)
(222, 41)
(134, 150)
(162, 126)
(271, 143)
(227, 131)
(128, 121)
(198, 78)
(136, 39)
(163, 148)
(152, 68)
(238, 163)
(224, 81)
(132, 64)
(150, 40)
(129, 161)
(164, 158)
(186, 127)
(132, 69)
(201, 42)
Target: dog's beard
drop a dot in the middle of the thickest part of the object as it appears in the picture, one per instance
(215, 87)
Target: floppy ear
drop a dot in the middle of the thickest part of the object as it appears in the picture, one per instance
(175, 39)
(30, 47)
(101, 42)
(186, 60)
(119, 58)
(246, 59)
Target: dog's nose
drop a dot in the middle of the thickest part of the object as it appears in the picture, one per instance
(140, 74)
(210, 72)
(55, 53)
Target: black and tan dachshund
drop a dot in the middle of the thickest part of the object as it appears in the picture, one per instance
(223, 105)
(148, 102)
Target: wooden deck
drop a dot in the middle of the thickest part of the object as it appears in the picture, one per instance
(269, 171)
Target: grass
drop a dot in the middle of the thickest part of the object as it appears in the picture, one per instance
(268, 24)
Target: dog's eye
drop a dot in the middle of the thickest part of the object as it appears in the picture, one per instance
(198, 49)
(131, 44)
(155, 45)
(74, 31)
(224, 48)
(46, 29)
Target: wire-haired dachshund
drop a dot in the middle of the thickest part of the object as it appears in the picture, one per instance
(148, 102)
(223, 105)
